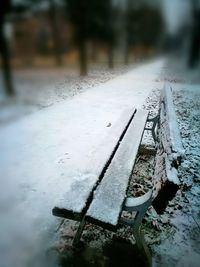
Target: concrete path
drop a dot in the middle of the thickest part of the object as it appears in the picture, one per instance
(44, 153)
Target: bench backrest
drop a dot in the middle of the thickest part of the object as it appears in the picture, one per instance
(171, 139)
(170, 153)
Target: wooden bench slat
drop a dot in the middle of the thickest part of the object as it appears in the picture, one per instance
(106, 206)
(74, 203)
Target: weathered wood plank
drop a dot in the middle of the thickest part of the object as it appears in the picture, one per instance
(106, 206)
(75, 202)
(173, 130)
(169, 154)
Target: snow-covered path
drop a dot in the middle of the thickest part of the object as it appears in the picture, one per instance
(43, 153)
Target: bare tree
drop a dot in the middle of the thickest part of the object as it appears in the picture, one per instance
(194, 49)
(143, 26)
(55, 32)
(79, 14)
(4, 50)
(53, 19)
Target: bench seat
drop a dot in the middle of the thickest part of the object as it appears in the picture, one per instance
(74, 204)
(109, 196)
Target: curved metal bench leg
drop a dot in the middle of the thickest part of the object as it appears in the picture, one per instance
(139, 236)
(140, 205)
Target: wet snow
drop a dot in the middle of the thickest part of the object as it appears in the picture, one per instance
(75, 198)
(110, 194)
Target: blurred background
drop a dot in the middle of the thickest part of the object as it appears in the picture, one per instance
(45, 43)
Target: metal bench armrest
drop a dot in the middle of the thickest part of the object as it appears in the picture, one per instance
(135, 203)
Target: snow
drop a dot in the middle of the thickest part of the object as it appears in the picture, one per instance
(30, 154)
(37, 89)
(75, 198)
(46, 153)
(111, 192)
(175, 138)
(174, 236)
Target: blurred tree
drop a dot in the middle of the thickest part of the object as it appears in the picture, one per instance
(23, 6)
(55, 32)
(4, 50)
(143, 26)
(109, 30)
(92, 21)
(194, 49)
(53, 18)
(103, 26)
(129, 25)
(151, 25)
(80, 13)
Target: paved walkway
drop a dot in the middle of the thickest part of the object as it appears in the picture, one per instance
(43, 154)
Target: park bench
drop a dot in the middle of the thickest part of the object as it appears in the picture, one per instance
(103, 202)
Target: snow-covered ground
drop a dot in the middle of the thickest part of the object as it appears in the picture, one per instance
(43, 153)
(173, 237)
(40, 88)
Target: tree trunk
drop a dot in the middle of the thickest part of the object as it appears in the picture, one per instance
(194, 51)
(82, 57)
(94, 52)
(4, 51)
(110, 57)
(55, 33)
(126, 55)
